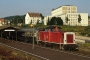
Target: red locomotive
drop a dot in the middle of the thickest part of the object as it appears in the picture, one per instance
(54, 36)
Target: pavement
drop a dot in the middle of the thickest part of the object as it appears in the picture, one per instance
(82, 39)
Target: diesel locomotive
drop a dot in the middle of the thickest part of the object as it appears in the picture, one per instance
(54, 36)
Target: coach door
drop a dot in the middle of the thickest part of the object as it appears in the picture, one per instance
(69, 38)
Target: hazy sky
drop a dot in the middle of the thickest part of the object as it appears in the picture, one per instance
(21, 7)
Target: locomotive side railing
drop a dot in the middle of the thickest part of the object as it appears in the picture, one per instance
(29, 34)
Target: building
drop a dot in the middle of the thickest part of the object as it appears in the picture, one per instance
(64, 9)
(33, 18)
(1, 21)
(73, 19)
(46, 19)
(70, 12)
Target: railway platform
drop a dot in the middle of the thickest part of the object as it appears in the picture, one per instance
(82, 39)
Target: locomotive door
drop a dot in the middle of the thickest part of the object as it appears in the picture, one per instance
(69, 38)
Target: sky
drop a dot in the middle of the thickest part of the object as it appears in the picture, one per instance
(21, 7)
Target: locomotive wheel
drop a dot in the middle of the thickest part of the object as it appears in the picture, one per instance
(40, 43)
(51, 45)
(70, 47)
(66, 47)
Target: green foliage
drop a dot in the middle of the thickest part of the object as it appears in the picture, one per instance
(52, 21)
(38, 21)
(88, 16)
(79, 18)
(66, 20)
(31, 22)
(81, 30)
(42, 16)
(25, 26)
(59, 21)
(55, 21)
(86, 31)
(84, 46)
(48, 21)
(16, 19)
(73, 28)
(39, 25)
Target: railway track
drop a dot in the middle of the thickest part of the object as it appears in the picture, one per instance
(77, 53)
(57, 52)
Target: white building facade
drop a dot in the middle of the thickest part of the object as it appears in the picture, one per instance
(73, 19)
(70, 12)
(46, 19)
(64, 9)
(2, 21)
(33, 18)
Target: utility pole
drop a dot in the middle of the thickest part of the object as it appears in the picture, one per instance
(1, 36)
(16, 35)
(33, 38)
(33, 33)
(32, 25)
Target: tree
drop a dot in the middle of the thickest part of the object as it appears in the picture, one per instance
(88, 16)
(66, 19)
(16, 19)
(38, 21)
(48, 21)
(23, 19)
(79, 18)
(42, 16)
(53, 21)
(59, 21)
(31, 22)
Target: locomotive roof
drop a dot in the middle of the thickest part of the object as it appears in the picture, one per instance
(27, 30)
(51, 27)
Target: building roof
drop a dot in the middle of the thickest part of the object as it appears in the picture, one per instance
(2, 19)
(8, 28)
(61, 6)
(32, 14)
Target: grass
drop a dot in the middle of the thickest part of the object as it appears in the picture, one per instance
(85, 48)
(7, 53)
